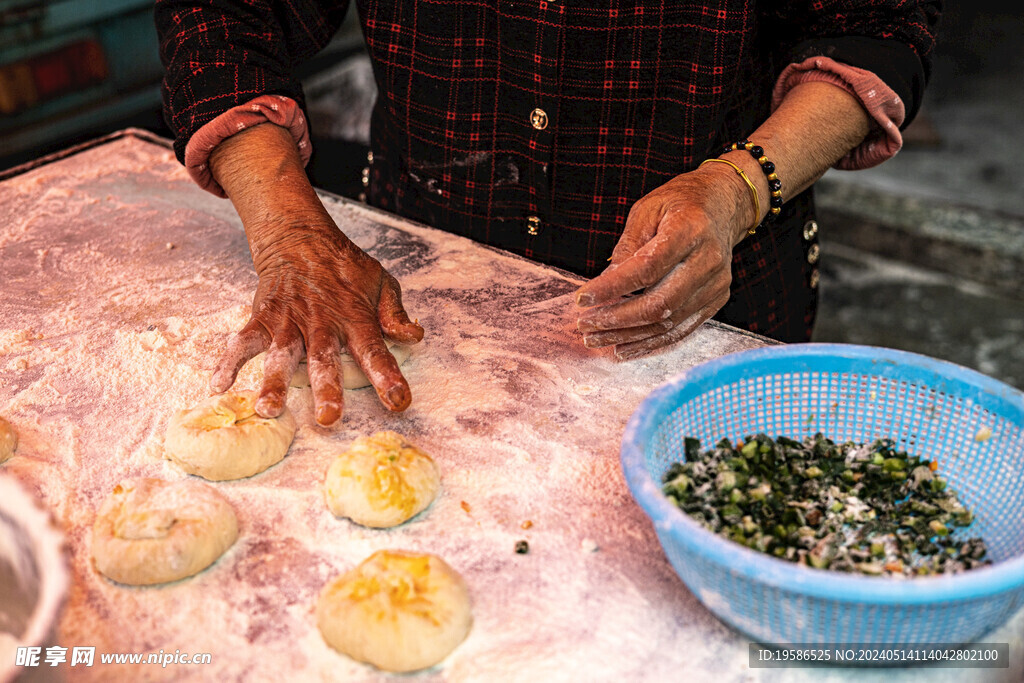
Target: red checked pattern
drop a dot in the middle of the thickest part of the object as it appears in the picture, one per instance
(633, 93)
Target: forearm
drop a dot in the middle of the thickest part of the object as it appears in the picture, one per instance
(262, 173)
(814, 126)
(679, 239)
(317, 291)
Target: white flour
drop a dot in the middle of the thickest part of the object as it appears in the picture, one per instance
(105, 331)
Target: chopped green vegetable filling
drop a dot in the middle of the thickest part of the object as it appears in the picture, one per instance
(846, 507)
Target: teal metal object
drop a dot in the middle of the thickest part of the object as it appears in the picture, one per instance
(24, 24)
(123, 28)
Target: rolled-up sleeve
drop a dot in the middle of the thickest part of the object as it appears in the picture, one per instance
(221, 54)
(893, 39)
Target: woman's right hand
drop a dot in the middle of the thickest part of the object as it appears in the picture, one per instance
(318, 292)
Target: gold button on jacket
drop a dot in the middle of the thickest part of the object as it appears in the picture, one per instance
(539, 119)
(810, 230)
(532, 225)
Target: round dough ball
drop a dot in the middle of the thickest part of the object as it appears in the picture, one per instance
(223, 438)
(399, 611)
(8, 440)
(352, 377)
(151, 531)
(381, 481)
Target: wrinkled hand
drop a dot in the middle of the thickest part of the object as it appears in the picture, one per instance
(317, 293)
(676, 248)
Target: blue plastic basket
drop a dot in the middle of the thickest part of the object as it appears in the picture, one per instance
(931, 408)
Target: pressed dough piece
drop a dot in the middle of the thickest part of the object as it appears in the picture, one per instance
(399, 611)
(8, 440)
(223, 438)
(352, 376)
(150, 531)
(381, 481)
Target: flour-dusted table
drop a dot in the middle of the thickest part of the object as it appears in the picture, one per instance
(120, 281)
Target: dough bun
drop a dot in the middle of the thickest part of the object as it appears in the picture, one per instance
(398, 611)
(381, 481)
(223, 438)
(352, 376)
(150, 531)
(8, 440)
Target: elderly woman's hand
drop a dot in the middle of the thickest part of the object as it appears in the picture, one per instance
(671, 269)
(678, 242)
(317, 293)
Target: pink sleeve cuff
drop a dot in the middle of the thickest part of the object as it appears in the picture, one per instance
(881, 103)
(277, 109)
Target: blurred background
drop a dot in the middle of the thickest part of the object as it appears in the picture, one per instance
(924, 252)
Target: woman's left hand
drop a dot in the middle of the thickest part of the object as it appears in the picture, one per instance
(678, 241)
(676, 248)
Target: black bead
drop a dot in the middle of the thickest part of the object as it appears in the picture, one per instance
(777, 202)
(775, 185)
(768, 167)
(757, 151)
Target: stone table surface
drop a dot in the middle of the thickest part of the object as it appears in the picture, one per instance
(120, 282)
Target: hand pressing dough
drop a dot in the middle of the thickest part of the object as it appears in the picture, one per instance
(150, 531)
(223, 438)
(352, 376)
(381, 481)
(8, 440)
(398, 611)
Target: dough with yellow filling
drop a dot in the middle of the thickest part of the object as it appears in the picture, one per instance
(8, 440)
(351, 375)
(399, 611)
(381, 481)
(150, 531)
(223, 438)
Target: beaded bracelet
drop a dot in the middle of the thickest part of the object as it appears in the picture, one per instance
(768, 167)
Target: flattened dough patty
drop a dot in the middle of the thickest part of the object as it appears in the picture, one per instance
(399, 611)
(381, 481)
(222, 437)
(150, 531)
(8, 440)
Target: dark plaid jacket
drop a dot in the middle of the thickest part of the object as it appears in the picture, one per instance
(634, 93)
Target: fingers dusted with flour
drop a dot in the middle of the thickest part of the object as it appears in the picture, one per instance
(251, 341)
(367, 347)
(324, 366)
(393, 318)
(672, 268)
(318, 292)
(278, 367)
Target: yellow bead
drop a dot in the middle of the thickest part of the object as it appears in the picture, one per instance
(762, 160)
(773, 176)
(748, 145)
(777, 193)
(776, 210)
